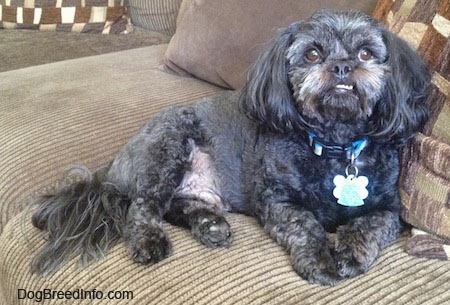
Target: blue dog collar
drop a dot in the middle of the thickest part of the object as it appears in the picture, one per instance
(350, 151)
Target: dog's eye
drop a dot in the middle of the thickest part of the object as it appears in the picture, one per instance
(312, 55)
(365, 54)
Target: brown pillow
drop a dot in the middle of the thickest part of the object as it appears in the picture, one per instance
(425, 178)
(216, 40)
(89, 16)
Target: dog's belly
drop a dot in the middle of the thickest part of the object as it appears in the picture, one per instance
(201, 180)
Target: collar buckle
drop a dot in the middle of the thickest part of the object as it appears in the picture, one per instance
(349, 152)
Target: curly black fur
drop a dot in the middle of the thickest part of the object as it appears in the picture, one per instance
(339, 75)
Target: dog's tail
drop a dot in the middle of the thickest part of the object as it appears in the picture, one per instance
(82, 217)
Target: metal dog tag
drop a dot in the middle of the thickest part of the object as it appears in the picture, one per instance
(351, 190)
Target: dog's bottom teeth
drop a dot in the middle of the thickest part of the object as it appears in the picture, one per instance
(345, 87)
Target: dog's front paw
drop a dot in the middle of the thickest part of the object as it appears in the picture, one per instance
(149, 246)
(354, 254)
(349, 266)
(316, 269)
(212, 230)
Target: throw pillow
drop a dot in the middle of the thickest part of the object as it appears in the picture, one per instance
(425, 179)
(155, 15)
(84, 16)
(217, 40)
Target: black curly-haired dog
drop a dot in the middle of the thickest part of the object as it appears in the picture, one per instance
(310, 146)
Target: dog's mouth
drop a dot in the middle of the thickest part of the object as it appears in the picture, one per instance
(341, 102)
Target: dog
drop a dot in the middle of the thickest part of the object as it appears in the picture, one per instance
(309, 146)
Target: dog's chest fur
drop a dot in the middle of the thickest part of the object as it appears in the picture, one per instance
(292, 173)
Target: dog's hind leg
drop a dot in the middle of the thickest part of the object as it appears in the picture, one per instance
(156, 181)
(150, 168)
(147, 241)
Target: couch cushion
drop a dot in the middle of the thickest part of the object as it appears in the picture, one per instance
(25, 48)
(156, 15)
(425, 178)
(217, 40)
(254, 270)
(79, 111)
(84, 16)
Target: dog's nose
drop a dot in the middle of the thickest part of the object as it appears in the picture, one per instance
(342, 69)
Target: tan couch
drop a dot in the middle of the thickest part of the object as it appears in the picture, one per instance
(82, 111)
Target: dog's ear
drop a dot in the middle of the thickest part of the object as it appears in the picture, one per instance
(267, 96)
(402, 110)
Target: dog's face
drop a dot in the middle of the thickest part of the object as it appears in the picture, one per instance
(339, 67)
